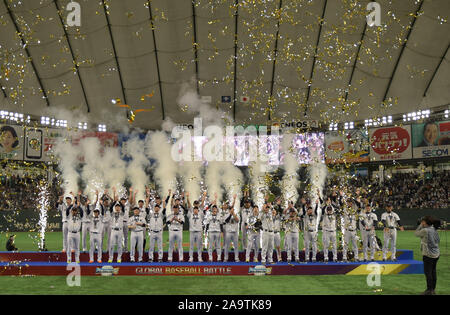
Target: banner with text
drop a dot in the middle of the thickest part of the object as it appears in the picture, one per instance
(352, 146)
(390, 143)
(431, 139)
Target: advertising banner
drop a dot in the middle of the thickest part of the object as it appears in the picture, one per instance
(390, 143)
(11, 142)
(431, 139)
(350, 147)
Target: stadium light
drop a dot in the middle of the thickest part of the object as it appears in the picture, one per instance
(349, 125)
(59, 123)
(12, 116)
(421, 114)
(447, 113)
(102, 128)
(82, 125)
(333, 127)
(45, 120)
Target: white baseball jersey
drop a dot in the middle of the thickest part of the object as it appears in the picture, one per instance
(195, 221)
(95, 224)
(62, 208)
(231, 224)
(251, 220)
(367, 220)
(214, 222)
(329, 222)
(156, 221)
(277, 223)
(136, 219)
(117, 220)
(310, 222)
(350, 219)
(74, 223)
(291, 225)
(175, 225)
(390, 219)
(266, 220)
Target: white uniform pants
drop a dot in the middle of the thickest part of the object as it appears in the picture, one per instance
(116, 239)
(291, 244)
(136, 238)
(231, 237)
(368, 237)
(195, 240)
(176, 237)
(156, 238)
(350, 236)
(252, 244)
(214, 242)
(310, 241)
(73, 242)
(84, 234)
(329, 237)
(390, 236)
(65, 230)
(95, 239)
(267, 247)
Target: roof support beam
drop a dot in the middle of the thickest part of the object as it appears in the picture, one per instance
(275, 53)
(73, 55)
(195, 44)
(315, 55)
(435, 71)
(401, 51)
(115, 52)
(24, 45)
(236, 14)
(356, 61)
(157, 61)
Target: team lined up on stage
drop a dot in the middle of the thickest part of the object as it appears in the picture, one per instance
(259, 227)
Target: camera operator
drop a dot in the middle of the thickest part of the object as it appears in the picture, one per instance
(429, 244)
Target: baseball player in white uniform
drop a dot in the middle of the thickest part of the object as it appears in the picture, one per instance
(195, 216)
(156, 219)
(253, 226)
(310, 233)
(350, 217)
(246, 210)
(276, 233)
(117, 223)
(267, 221)
(62, 207)
(74, 226)
(175, 222)
(95, 234)
(213, 226)
(105, 206)
(291, 236)
(368, 222)
(390, 221)
(231, 229)
(136, 224)
(329, 231)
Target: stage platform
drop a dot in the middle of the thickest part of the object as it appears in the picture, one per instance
(55, 263)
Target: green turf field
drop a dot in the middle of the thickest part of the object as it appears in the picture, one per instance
(339, 284)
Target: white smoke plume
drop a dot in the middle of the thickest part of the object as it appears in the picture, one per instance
(290, 179)
(92, 173)
(68, 160)
(317, 172)
(136, 167)
(213, 180)
(232, 180)
(192, 178)
(194, 104)
(158, 147)
(258, 170)
(114, 169)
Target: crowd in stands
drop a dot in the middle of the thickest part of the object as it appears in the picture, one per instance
(402, 190)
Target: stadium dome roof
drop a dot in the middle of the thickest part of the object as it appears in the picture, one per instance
(289, 57)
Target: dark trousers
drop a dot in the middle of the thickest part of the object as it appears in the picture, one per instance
(429, 269)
